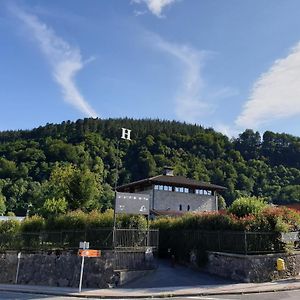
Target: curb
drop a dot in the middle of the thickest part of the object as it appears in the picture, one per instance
(149, 296)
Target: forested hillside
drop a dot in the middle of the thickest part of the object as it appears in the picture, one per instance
(55, 168)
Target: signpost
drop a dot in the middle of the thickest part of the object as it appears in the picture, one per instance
(18, 267)
(85, 251)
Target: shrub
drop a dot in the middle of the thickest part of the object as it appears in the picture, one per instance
(131, 221)
(221, 203)
(74, 220)
(9, 227)
(96, 219)
(33, 224)
(245, 206)
(2, 205)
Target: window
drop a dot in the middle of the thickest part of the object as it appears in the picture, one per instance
(188, 208)
(167, 188)
(186, 190)
(199, 192)
(180, 207)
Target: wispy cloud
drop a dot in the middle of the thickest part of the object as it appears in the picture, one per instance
(190, 105)
(155, 6)
(66, 60)
(275, 95)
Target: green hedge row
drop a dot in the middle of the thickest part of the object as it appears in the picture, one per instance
(75, 220)
(270, 219)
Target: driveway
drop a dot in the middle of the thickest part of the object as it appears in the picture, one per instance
(166, 276)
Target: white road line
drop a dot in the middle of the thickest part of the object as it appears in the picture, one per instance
(206, 298)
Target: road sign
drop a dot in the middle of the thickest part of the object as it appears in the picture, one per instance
(132, 203)
(89, 253)
(84, 245)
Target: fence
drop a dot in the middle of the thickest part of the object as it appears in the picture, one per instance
(222, 241)
(101, 238)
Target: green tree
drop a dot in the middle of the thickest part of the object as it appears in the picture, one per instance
(54, 207)
(2, 205)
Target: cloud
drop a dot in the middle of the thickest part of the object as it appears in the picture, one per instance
(66, 60)
(190, 105)
(230, 131)
(155, 6)
(275, 95)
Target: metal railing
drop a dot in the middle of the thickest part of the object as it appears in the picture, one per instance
(100, 238)
(241, 242)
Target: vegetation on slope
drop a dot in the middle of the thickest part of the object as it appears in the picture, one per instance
(58, 168)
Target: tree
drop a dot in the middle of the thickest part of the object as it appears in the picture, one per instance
(54, 207)
(2, 205)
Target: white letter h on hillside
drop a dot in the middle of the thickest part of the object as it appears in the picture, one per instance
(126, 134)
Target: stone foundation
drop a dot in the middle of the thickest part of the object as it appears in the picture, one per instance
(252, 268)
(63, 269)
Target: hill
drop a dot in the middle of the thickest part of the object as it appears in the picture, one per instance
(61, 167)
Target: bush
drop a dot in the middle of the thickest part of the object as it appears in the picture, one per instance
(96, 219)
(9, 227)
(131, 222)
(2, 205)
(33, 224)
(74, 220)
(221, 203)
(245, 206)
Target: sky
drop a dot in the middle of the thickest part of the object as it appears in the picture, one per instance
(230, 65)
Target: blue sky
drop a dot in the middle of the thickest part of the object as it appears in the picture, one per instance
(229, 65)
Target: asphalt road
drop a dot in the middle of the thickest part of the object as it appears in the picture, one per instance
(19, 296)
(291, 295)
(167, 276)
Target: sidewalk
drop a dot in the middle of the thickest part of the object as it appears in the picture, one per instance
(203, 290)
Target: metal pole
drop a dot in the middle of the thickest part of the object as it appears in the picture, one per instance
(82, 266)
(148, 231)
(116, 183)
(246, 245)
(18, 267)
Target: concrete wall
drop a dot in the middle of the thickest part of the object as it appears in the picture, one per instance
(252, 268)
(64, 269)
(165, 199)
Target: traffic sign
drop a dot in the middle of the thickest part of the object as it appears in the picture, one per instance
(84, 245)
(89, 253)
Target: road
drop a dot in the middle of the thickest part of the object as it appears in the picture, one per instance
(19, 296)
(291, 295)
(166, 276)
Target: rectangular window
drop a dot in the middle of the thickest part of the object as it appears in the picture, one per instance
(167, 188)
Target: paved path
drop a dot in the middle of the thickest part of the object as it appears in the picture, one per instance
(196, 291)
(166, 276)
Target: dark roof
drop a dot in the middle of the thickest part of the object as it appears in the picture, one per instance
(180, 181)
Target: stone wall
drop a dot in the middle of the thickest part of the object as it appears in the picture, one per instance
(252, 268)
(172, 200)
(63, 269)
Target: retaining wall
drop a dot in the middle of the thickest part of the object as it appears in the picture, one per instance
(252, 268)
(63, 269)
